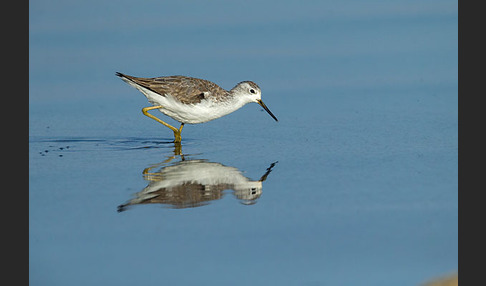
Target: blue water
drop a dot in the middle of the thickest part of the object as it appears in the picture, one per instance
(359, 175)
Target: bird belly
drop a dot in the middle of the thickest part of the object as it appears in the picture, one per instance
(201, 112)
(196, 113)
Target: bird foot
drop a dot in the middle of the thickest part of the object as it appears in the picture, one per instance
(177, 137)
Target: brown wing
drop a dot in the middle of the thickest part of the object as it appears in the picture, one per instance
(188, 90)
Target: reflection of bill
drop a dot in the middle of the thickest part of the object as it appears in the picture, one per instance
(195, 183)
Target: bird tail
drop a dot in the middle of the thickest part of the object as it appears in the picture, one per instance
(119, 74)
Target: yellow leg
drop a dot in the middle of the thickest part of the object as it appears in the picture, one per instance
(177, 152)
(177, 132)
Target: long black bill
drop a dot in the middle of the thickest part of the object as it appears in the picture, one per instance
(266, 109)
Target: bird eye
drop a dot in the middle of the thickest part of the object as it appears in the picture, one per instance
(252, 91)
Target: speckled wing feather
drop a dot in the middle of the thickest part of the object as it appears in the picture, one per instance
(187, 90)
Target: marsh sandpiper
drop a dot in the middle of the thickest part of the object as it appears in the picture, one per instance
(191, 100)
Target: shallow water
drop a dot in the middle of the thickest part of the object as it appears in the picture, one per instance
(356, 184)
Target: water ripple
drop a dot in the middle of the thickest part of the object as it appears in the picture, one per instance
(46, 145)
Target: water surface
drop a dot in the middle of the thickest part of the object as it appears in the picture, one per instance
(355, 185)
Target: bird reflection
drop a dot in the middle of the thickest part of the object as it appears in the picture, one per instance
(194, 183)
